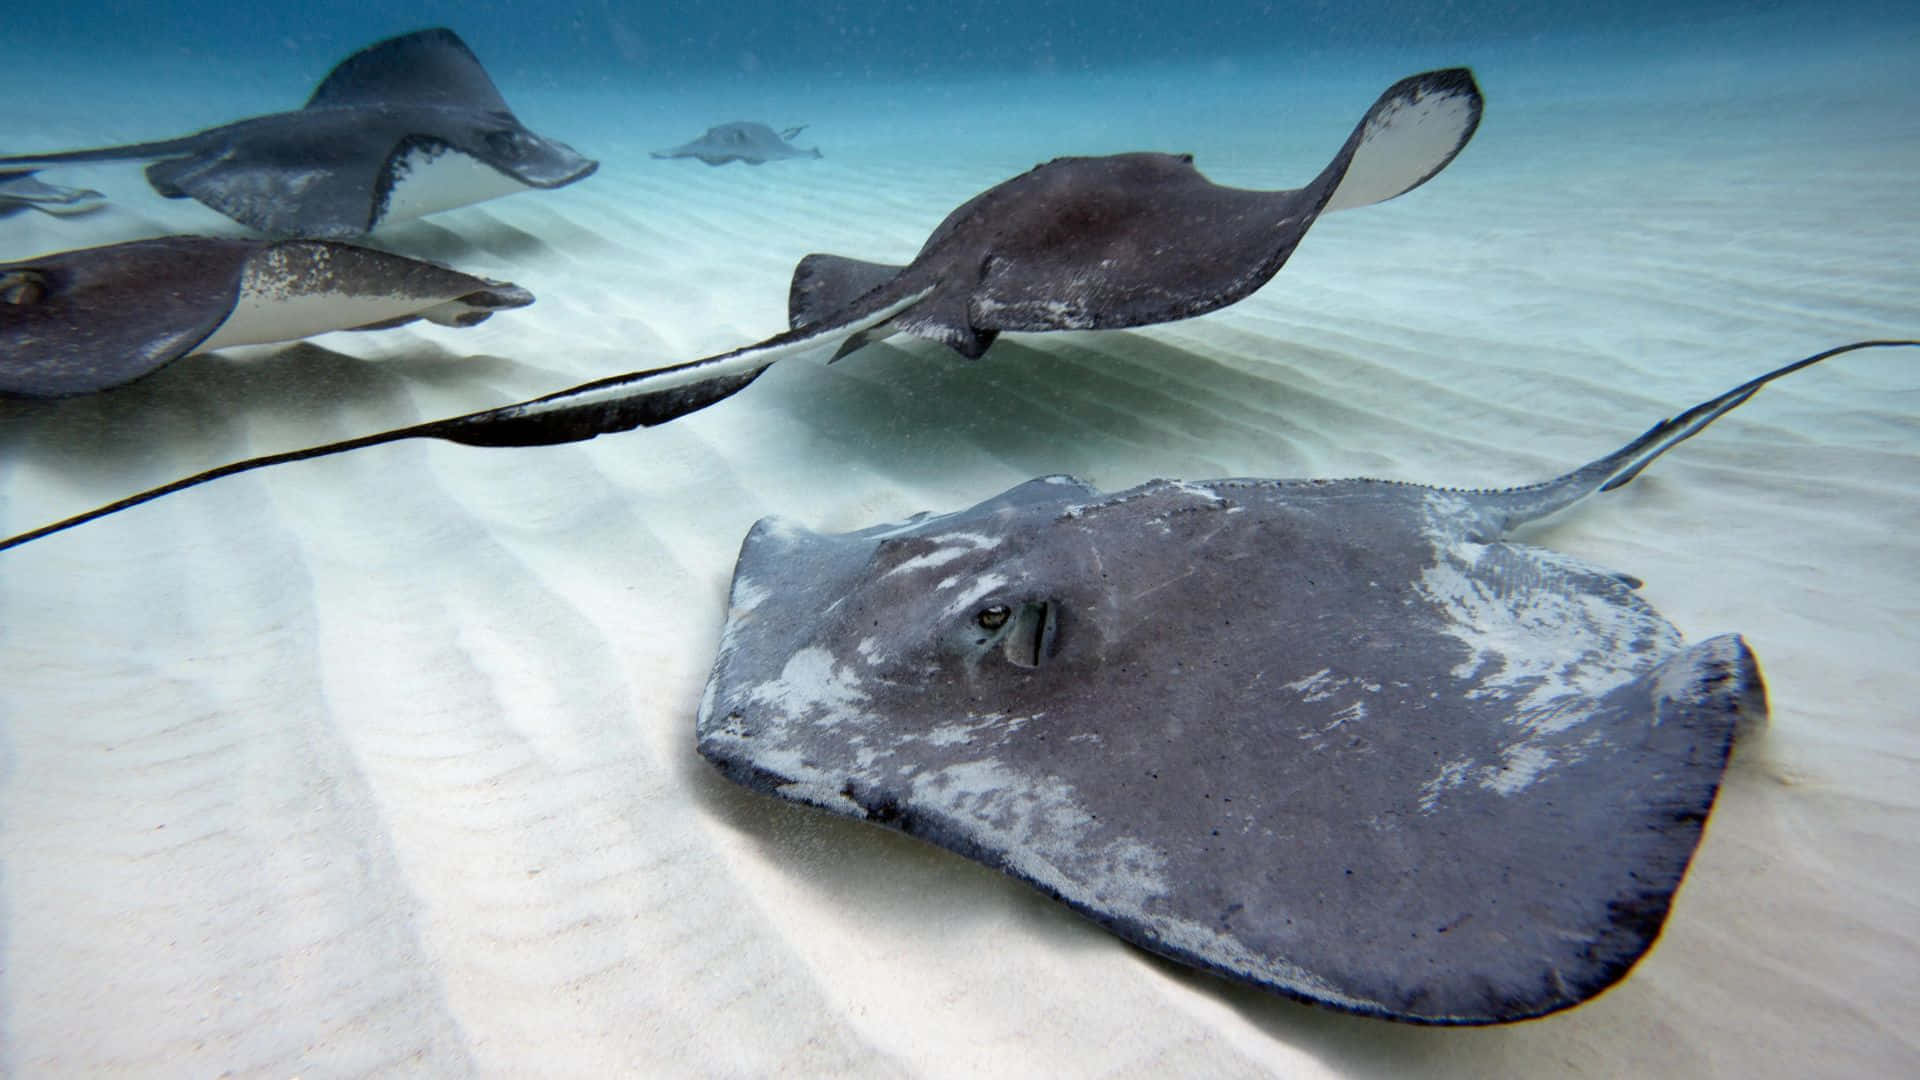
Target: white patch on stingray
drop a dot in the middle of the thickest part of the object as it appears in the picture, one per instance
(994, 724)
(1519, 767)
(1404, 143)
(747, 595)
(1041, 826)
(744, 598)
(431, 179)
(865, 755)
(980, 588)
(811, 685)
(1547, 654)
(1450, 776)
(1311, 685)
(1552, 652)
(958, 545)
(950, 735)
(1193, 488)
(276, 301)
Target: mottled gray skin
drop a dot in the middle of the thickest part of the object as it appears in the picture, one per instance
(1096, 243)
(1338, 739)
(76, 322)
(328, 169)
(742, 140)
(21, 190)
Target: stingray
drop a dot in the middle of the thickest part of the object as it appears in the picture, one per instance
(1077, 243)
(21, 190)
(80, 321)
(742, 140)
(1098, 243)
(1345, 740)
(403, 128)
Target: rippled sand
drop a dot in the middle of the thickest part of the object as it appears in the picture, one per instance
(385, 762)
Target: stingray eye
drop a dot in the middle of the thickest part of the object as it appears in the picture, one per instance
(993, 618)
(22, 287)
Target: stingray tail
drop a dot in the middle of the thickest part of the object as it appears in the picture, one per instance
(131, 151)
(1516, 506)
(601, 407)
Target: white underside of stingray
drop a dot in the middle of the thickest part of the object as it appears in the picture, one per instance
(1403, 145)
(272, 307)
(429, 181)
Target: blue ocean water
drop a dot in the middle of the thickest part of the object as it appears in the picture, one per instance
(840, 40)
(607, 44)
(1027, 79)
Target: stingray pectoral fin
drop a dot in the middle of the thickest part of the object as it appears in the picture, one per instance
(946, 317)
(1412, 132)
(164, 176)
(1719, 676)
(334, 201)
(428, 67)
(823, 286)
(1505, 509)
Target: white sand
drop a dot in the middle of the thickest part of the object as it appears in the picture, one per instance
(386, 761)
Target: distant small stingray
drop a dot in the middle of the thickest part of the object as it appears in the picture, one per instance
(403, 128)
(1339, 739)
(742, 140)
(80, 321)
(20, 190)
(1078, 243)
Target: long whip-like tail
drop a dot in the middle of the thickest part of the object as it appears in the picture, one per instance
(601, 407)
(1515, 506)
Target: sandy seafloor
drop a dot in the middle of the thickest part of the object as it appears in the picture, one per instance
(385, 762)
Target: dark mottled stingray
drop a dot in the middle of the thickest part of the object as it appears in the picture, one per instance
(405, 127)
(21, 190)
(1338, 739)
(1131, 239)
(1077, 243)
(80, 321)
(742, 140)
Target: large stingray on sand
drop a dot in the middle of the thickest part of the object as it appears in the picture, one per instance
(402, 128)
(1340, 739)
(1077, 243)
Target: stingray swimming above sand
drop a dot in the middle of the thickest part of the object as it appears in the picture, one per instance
(742, 140)
(1077, 243)
(1343, 740)
(76, 322)
(403, 128)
